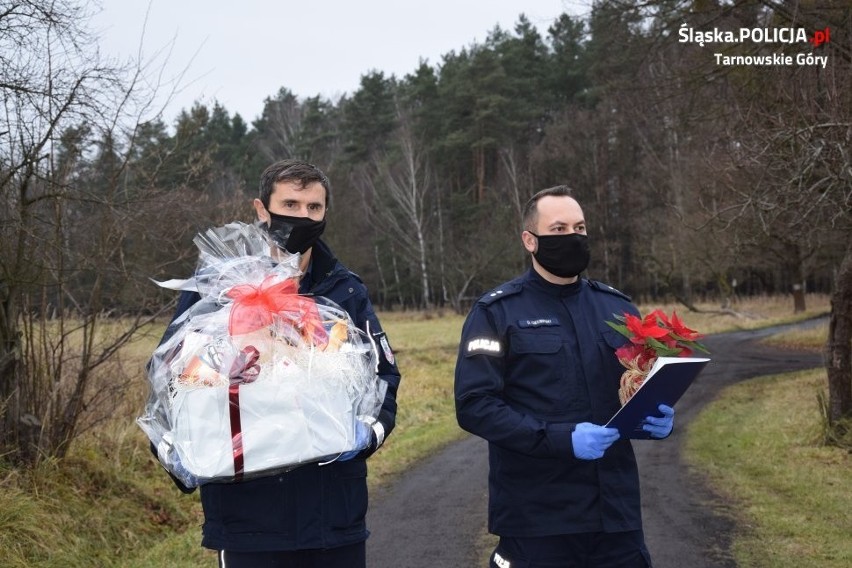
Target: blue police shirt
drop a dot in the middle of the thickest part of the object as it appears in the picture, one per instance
(535, 359)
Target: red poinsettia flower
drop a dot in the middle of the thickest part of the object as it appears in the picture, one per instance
(642, 329)
(629, 351)
(681, 331)
(641, 355)
(662, 335)
(655, 335)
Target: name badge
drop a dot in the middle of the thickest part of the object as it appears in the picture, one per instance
(538, 322)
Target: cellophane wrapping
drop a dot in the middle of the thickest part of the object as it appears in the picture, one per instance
(255, 378)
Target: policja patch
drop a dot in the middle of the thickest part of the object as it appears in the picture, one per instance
(501, 562)
(483, 345)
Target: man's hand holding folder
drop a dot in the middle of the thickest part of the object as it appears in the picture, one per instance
(668, 380)
(660, 427)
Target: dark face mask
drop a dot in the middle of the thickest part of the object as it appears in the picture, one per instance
(294, 234)
(565, 256)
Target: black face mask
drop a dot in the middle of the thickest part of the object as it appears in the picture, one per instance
(565, 256)
(294, 234)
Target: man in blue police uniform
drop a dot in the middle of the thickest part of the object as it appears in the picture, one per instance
(314, 515)
(537, 376)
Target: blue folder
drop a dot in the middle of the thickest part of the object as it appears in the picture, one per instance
(666, 382)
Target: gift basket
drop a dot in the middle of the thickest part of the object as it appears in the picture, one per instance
(255, 378)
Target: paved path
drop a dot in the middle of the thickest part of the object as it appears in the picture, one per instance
(435, 514)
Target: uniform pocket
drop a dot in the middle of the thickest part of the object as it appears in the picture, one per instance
(539, 376)
(248, 507)
(609, 341)
(613, 339)
(348, 496)
(536, 343)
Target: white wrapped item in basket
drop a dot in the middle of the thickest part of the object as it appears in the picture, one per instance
(255, 378)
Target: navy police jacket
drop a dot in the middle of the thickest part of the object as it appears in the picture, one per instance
(536, 359)
(311, 506)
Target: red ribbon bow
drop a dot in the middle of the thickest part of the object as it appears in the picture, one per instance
(256, 307)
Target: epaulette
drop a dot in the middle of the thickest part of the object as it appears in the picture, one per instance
(601, 287)
(507, 289)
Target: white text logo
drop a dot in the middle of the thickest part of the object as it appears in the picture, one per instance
(501, 562)
(482, 344)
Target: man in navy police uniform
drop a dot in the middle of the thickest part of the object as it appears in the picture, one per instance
(537, 376)
(314, 515)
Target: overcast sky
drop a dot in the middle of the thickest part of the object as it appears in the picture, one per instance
(239, 52)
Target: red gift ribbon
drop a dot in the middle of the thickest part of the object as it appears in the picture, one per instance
(245, 368)
(236, 430)
(256, 307)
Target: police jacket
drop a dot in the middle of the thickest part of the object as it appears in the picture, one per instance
(536, 359)
(311, 506)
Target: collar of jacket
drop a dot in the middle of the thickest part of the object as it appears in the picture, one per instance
(535, 281)
(324, 270)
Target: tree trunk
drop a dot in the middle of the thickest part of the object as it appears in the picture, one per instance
(480, 174)
(838, 349)
(799, 287)
(424, 273)
(10, 373)
(397, 281)
(798, 298)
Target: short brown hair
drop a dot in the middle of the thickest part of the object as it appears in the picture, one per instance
(297, 171)
(530, 218)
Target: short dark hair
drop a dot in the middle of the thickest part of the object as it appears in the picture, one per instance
(530, 218)
(297, 171)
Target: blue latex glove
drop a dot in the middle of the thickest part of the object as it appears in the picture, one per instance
(183, 475)
(660, 427)
(590, 441)
(363, 433)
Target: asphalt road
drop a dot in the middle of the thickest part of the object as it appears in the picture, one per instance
(435, 515)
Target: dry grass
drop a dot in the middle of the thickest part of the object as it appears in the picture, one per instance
(751, 313)
(426, 349)
(812, 339)
(760, 442)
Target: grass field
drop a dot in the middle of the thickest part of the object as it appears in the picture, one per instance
(109, 504)
(761, 444)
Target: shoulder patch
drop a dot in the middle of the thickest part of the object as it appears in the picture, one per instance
(484, 346)
(499, 292)
(601, 287)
